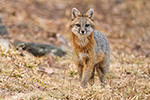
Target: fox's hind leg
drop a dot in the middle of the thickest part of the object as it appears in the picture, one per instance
(101, 74)
(101, 70)
(91, 80)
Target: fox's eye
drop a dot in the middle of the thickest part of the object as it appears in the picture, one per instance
(87, 25)
(78, 25)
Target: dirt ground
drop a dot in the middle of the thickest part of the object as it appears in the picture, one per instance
(126, 23)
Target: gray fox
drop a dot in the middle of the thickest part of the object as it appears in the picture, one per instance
(91, 47)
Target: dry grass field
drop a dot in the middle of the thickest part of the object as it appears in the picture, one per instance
(126, 23)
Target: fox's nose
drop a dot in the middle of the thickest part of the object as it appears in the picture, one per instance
(82, 31)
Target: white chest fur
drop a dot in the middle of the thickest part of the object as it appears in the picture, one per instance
(82, 41)
(82, 55)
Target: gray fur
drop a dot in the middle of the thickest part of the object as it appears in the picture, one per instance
(102, 48)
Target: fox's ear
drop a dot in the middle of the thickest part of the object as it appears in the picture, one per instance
(75, 12)
(90, 13)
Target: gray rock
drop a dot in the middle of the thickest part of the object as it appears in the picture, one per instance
(3, 30)
(39, 49)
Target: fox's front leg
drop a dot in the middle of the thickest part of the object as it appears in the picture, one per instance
(91, 80)
(79, 64)
(80, 69)
(87, 71)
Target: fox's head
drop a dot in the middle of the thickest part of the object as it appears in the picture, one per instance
(82, 23)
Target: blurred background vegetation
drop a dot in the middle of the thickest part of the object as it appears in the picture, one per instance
(125, 22)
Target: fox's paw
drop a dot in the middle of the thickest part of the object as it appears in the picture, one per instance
(83, 84)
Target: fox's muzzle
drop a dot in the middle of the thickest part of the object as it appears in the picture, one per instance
(82, 31)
